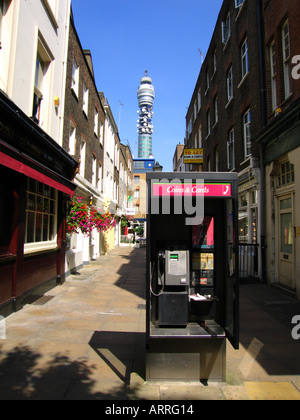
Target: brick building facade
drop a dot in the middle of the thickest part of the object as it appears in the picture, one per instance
(83, 138)
(280, 145)
(226, 110)
(244, 113)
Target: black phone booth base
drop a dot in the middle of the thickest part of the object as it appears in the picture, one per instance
(190, 354)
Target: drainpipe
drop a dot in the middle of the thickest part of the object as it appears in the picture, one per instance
(262, 83)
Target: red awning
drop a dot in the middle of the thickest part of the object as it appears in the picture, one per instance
(25, 169)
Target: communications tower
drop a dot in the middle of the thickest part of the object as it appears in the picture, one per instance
(146, 97)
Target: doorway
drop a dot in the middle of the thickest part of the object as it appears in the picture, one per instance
(286, 241)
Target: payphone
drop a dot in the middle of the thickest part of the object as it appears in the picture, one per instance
(173, 267)
(173, 276)
(192, 275)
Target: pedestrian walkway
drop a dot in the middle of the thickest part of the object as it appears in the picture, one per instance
(85, 339)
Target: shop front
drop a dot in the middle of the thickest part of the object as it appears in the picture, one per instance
(280, 149)
(35, 184)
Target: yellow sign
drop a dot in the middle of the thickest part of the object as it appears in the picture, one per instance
(193, 156)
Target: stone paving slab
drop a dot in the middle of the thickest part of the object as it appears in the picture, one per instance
(87, 342)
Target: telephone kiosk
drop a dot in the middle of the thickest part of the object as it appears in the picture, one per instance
(192, 279)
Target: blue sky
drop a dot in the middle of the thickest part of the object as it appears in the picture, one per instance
(126, 37)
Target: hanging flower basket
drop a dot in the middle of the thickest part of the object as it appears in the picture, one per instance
(84, 218)
(78, 217)
(101, 222)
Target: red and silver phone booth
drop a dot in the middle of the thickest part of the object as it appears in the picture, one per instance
(192, 275)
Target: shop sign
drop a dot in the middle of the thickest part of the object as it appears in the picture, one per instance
(195, 189)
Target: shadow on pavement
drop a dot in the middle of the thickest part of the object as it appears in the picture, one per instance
(133, 272)
(266, 328)
(61, 378)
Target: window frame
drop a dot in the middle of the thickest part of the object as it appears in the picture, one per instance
(287, 80)
(85, 98)
(75, 77)
(247, 133)
(42, 83)
(229, 82)
(245, 58)
(72, 138)
(239, 3)
(226, 29)
(231, 150)
(82, 156)
(36, 246)
(273, 74)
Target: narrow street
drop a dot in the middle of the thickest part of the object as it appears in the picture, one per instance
(86, 340)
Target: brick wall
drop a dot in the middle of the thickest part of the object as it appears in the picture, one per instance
(74, 107)
(276, 13)
(246, 93)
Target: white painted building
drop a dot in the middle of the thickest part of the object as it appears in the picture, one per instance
(34, 42)
(111, 168)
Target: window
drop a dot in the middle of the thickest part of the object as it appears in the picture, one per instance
(99, 183)
(75, 77)
(243, 222)
(286, 225)
(238, 3)
(51, 6)
(190, 126)
(245, 58)
(136, 194)
(137, 179)
(101, 133)
(286, 60)
(247, 133)
(199, 99)
(82, 156)
(96, 122)
(208, 122)
(226, 29)
(230, 150)
(85, 103)
(195, 111)
(94, 171)
(72, 139)
(215, 61)
(41, 216)
(38, 88)
(42, 87)
(273, 75)
(229, 84)
(200, 137)
(207, 81)
(216, 109)
(286, 174)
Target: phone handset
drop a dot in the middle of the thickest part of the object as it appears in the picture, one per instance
(160, 273)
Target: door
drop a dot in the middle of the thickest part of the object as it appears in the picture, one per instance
(286, 242)
(231, 288)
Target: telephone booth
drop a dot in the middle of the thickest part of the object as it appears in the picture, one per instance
(192, 275)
